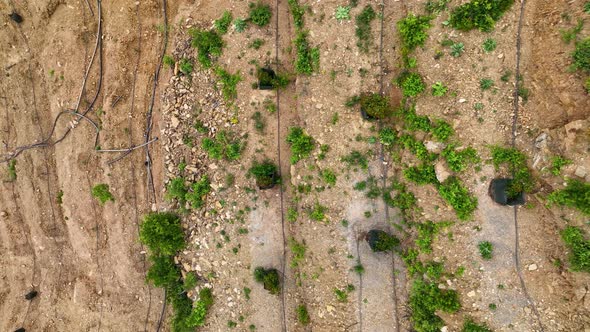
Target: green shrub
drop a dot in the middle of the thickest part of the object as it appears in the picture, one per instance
(101, 192)
(12, 170)
(376, 106)
(222, 24)
(381, 241)
(163, 271)
(185, 66)
(458, 160)
(439, 89)
(457, 49)
(426, 234)
(486, 83)
(581, 55)
(298, 250)
(190, 281)
(308, 58)
(576, 194)
(302, 314)
(423, 174)
(489, 45)
(223, 146)
(470, 326)
(485, 249)
(318, 213)
(265, 173)
(200, 189)
(436, 6)
(363, 28)
(200, 309)
(454, 193)
(479, 14)
(176, 190)
(297, 11)
(417, 148)
(403, 199)
(411, 84)
(567, 35)
(412, 30)
(425, 299)
(260, 14)
(228, 82)
(387, 136)
(301, 144)
(557, 163)
(517, 165)
(208, 44)
(240, 24)
(256, 43)
(442, 130)
(329, 177)
(162, 233)
(587, 7)
(356, 158)
(168, 61)
(579, 247)
(269, 278)
(413, 121)
(342, 13)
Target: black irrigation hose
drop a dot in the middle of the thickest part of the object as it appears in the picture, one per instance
(514, 133)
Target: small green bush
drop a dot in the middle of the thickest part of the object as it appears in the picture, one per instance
(208, 44)
(329, 177)
(436, 6)
(417, 148)
(260, 14)
(557, 163)
(411, 84)
(297, 11)
(363, 28)
(301, 144)
(12, 170)
(485, 249)
(426, 234)
(567, 35)
(240, 24)
(387, 136)
(412, 30)
(425, 299)
(413, 121)
(162, 233)
(298, 249)
(458, 160)
(200, 189)
(442, 130)
(342, 13)
(376, 106)
(222, 24)
(269, 278)
(318, 213)
(356, 158)
(587, 7)
(308, 58)
(223, 146)
(185, 66)
(489, 45)
(454, 193)
(581, 55)
(576, 194)
(486, 83)
(229, 83)
(439, 89)
(470, 326)
(422, 174)
(200, 309)
(266, 174)
(168, 61)
(102, 193)
(457, 49)
(403, 199)
(579, 248)
(176, 190)
(163, 271)
(517, 165)
(302, 314)
(479, 14)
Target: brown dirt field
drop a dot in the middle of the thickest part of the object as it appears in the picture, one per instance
(87, 263)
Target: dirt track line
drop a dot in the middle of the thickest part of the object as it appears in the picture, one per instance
(514, 132)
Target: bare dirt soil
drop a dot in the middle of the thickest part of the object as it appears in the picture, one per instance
(86, 261)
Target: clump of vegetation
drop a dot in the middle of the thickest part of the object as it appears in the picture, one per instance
(375, 106)
(342, 13)
(223, 146)
(162, 233)
(267, 78)
(259, 122)
(297, 11)
(387, 136)
(301, 144)
(579, 248)
(240, 24)
(412, 30)
(459, 159)
(516, 160)
(486, 249)
(222, 24)
(329, 177)
(363, 28)
(208, 44)
(576, 194)
(571, 34)
(342, 294)
(581, 55)
(381, 241)
(489, 45)
(403, 199)
(298, 249)
(256, 43)
(12, 170)
(417, 148)
(425, 299)
(411, 84)
(260, 14)
(308, 58)
(436, 6)
(177, 190)
(486, 83)
(557, 163)
(199, 189)
(457, 49)
(200, 309)
(318, 213)
(427, 232)
(185, 66)
(454, 193)
(228, 82)
(413, 121)
(439, 89)
(269, 278)
(442, 130)
(422, 174)
(266, 174)
(479, 14)
(168, 61)
(470, 326)
(356, 158)
(302, 314)
(101, 192)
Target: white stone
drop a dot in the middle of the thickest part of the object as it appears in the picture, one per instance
(533, 267)
(581, 171)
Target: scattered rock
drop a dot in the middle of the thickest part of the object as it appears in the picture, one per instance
(581, 172)
(533, 267)
(471, 294)
(441, 171)
(435, 147)
(541, 140)
(580, 293)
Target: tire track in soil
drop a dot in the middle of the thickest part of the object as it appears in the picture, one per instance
(515, 120)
